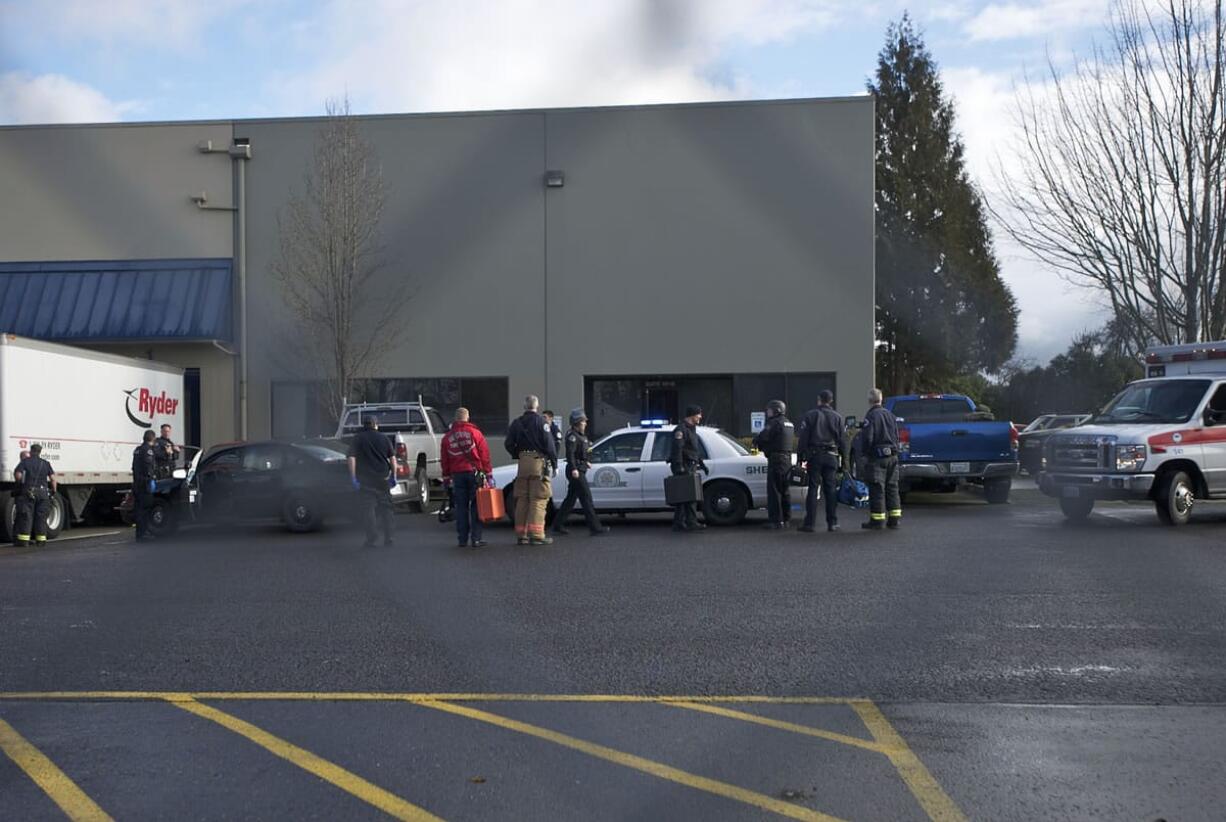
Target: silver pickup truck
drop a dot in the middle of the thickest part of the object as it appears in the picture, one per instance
(416, 431)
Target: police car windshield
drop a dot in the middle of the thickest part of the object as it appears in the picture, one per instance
(1154, 401)
(741, 450)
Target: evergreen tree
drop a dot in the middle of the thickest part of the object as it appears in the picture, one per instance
(943, 311)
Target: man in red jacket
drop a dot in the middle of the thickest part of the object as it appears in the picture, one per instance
(466, 464)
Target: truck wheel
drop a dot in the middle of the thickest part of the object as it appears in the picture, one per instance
(421, 482)
(1176, 497)
(1076, 509)
(8, 526)
(57, 516)
(162, 521)
(300, 514)
(997, 491)
(724, 503)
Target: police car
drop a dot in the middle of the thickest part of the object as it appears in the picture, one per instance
(629, 467)
(1162, 439)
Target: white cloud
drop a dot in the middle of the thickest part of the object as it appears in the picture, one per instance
(1006, 21)
(54, 98)
(391, 56)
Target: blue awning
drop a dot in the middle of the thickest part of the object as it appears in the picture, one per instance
(117, 300)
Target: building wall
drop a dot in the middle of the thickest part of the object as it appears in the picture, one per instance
(116, 192)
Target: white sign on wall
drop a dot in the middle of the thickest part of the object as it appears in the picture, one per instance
(757, 421)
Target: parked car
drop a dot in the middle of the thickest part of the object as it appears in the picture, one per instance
(302, 484)
(1160, 440)
(416, 432)
(1033, 436)
(629, 467)
(945, 441)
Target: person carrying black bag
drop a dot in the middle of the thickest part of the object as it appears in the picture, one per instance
(685, 458)
(820, 445)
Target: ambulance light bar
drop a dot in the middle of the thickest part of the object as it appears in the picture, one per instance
(1190, 352)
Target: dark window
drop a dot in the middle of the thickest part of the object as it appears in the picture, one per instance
(662, 447)
(225, 461)
(620, 448)
(487, 401)
(263, 458)
(931, 410)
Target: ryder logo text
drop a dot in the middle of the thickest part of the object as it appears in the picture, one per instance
(149, 405)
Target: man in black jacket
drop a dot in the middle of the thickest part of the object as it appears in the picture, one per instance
(530, 443)
(776, 440)
(879, 440)
(371, 463)
(144, 475)
(578, 461)
(820, 444)
(686, 458)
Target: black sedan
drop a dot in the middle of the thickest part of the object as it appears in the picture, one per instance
(300, 483)
(1030, 441)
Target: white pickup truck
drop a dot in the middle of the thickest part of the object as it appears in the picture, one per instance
(1162, 439)
(416, 431)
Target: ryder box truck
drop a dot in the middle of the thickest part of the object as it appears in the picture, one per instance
(89, 410)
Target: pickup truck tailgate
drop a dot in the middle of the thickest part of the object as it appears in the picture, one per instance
(959, 442)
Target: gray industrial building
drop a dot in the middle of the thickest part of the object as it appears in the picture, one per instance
(713, 253)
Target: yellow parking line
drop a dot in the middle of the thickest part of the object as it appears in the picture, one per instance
(932, 798)
(54, 782)
(807, 730)
(357, 696)
(702, 783)
(347, 781)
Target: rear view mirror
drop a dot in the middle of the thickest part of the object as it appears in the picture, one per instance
(1215, 416)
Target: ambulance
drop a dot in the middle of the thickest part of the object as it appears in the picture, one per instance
(1161, 440)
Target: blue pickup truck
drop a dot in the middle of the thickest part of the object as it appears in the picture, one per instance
(946, 442)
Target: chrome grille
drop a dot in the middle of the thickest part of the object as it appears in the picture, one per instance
(1081, 452)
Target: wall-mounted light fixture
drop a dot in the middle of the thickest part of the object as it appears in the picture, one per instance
(554, 179)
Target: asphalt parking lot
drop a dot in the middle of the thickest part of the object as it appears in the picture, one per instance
(984, 663)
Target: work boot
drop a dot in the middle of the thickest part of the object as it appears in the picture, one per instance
(834, 526)
(873, 525)
(521, 541)
(893, 523)
(479, 543)
(541, 541)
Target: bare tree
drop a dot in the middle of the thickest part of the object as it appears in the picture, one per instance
(1121, 174)
(347, 317)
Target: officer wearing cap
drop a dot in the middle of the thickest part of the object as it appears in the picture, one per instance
(820, 445)
(36, 483)
(530, 443)
(578, 461)
(144, 478)
(776, 440)
(879, 440)
(686, 458)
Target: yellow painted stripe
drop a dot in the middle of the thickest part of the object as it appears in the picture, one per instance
(351, 696)
(792, 727)
(54, 782)
(932, 798)
(638, 763)
(347, 781)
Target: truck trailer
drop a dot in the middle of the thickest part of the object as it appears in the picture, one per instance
(89, 411)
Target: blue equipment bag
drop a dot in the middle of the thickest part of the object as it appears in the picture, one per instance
(852, 492)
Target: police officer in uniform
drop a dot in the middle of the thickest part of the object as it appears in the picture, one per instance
(167, 453)
(686, 458)
(879, 441)
(776, 440)
(578, 461)
(554, 430)
(36, 483)
(144, 475)
(820, 444)
(530, 442)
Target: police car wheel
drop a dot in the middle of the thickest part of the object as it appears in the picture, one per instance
(508, 501)
(724, 503)
(162, 521)
(300, 514)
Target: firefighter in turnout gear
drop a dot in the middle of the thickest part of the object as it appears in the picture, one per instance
(578, 461)
(686, 458)
(777, 440)
(35, 485)
(530, 443)
(820, 444)
(879, 441)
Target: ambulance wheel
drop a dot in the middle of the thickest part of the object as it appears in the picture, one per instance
(162, 521)
(724, 503)
(300, 514)
(1076, 508)
(1176, 496)
(57, 516)
(8, 526)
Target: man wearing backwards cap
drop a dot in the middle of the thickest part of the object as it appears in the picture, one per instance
(686, 458)
(578, 461)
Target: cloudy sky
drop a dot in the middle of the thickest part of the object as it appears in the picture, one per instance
(91, 61)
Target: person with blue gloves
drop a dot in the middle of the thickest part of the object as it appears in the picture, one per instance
(372, 464)
(144, 473)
